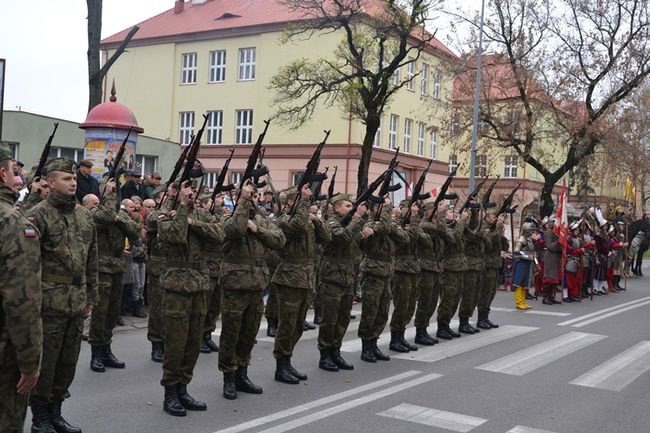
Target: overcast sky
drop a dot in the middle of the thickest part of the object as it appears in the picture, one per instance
(45, 44)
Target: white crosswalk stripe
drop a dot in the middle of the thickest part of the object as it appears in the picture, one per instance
(539, 355)
(598, 314)
(524, 429)
(547, 313)
(433, 418)
(447, 349)
(620, 371)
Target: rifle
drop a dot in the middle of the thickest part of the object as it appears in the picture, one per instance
(172, 178)
(416, 196)
(311, 173)
(330, 191)
(46, 152)
(443, 193)
(191, 157)
(251, 171)
(220, 187)
(386, 187)
(114, 173)
(316, 196)
(505, 206)
(472, 196)
(485, 203)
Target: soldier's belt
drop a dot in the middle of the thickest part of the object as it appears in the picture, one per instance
(185, 264)
(339, 260)
(298, 260)
(250, 261)
(61, 279)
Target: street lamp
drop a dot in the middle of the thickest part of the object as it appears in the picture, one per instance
(477, 97)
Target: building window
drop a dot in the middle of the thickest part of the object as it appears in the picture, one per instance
(295, 177)
(218, 66)
(210, 179)
(424, 80)
(146, 164)
(215, 127)
(480, 167)
(510, 166)
(421, 132)
(247, 64)
(392, 132)
(236, 177)
(410, 73)
(186, 128)
(453, 163)
(437, 81)
(434, 144)
(14, 150)
(377, 142)
(244, 127)
(66, 152)
(397, 77)
(188, 70)
(408, 129)
(455, 124)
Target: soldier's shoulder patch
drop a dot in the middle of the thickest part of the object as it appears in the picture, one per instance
(332, 223)
(29, 232)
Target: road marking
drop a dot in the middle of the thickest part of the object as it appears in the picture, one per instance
(610, 314)
(620, 371)
(547, 313)
(308, 419)
(467, 343)
(599, 312)
(317, 403)
(434, 418)
(311, 335)
(532, 358)
(502, 309)
(524, 429)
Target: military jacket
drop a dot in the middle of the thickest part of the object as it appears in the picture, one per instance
(454, 237)
(407, 253)
(379, 249)
(474, 244)
(21, 334)
(494, 244)
(339, 256)
(431, 252)
(156, 258)
(212, 252)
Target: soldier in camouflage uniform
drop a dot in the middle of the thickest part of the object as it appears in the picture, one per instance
(21, 334)
(69, 286)
(113, 227)
(271, 308)
(248, 236)
(294, 280)
(337, 275)
(183, 233)
(495, 242)
(474, 254)
(405, 278)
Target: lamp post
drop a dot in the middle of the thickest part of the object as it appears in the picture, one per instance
(477, 97)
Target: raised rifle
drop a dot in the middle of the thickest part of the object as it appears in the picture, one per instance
(192, 156)
(311, 173)
(416, 196)
(44, 154)
(472, 196)
(442, 195)
(330, 191)
(114, 172)
(485, 202)
(177, 170)
(316, 196)
(386, 186)
(505, 206)
(220, 187)
(252, 172)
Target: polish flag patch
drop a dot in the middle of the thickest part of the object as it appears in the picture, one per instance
(30, 233)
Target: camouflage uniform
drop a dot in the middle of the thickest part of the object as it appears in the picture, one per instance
(213, 258)
(156, 265)
(21, 335)
(430, 275)
(474, 254)
(69, 284)
(494, 244)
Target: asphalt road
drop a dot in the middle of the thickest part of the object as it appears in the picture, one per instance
(573, 368)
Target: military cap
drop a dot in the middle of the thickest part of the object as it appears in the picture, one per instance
(428, 205)
(65, 165)
(405, 203)
(339, 198)
(492, 211)
(292, 193)
(133, 173)
(5, 151)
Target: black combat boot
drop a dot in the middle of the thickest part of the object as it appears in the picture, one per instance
(282, 373)
(464, 327)
(422, 337)
(229, 386)
(59, 424)
(298, 375)
(443, 331)
(41, 420)
(482, 321)
(244, 384)
(308, 326)
(339, 361)
(272, 328)
(489, 322)
(171, 404)
(379, 355)
(405, 343)
(396, 344)
(188, 401)
(326, 362)
(211, 343)
(474, 328)
(136, 310)
(96, 359)
(453, 333)
(318, 318)
(367, 353)
(204, 347)
(157, 351)
(110, 360)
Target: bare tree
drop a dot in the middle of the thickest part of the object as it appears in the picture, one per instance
(96, 73)
(378, 38)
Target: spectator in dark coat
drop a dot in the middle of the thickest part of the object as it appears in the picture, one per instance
(132, 185)
(86, 183)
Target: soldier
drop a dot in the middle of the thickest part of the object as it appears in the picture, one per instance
(552, 263)
(21, 333)
(495, 242)
(183, 233)
(69, 286)
(337, 274)
(294, 280)
(113, 227)
(247, 237)
(474, 254)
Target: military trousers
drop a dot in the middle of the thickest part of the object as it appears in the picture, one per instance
(156, 322)
(214, 306)
(469, 295)
(184, 320)
(450, 290)
(336, 301)
(12, 405)
(405, 293)
(271, 310)
(488, 290)
(427, 298)
(375, 306)
(242, 313)
(61, 345)
(107, 310)
(292, 309)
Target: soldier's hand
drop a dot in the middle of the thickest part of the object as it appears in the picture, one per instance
(186, 194)
(251, 226)
(88, 309)
(367, 232)
(361, 210)
(27, 382)
(305, 192)
(313, 217)
(387, 200)
(247, 189)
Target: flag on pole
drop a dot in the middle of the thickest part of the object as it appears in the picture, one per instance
(630, 191)
(561, 227)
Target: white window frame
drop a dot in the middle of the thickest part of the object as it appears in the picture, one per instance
(397, 77)
(408, 132)
(210, 179)
(480, 166)
(236, 177)
(214, 127)
(185, 127)
(421, 134)
(410, 73)
(56, 152)
(244, 126)
(189, 62)
(217, 66)
(437, 83)
(247, 60)
(424, 80)
(140, 162)
(434, 143)
(377, 141)
(453, 162)
(510, 166)
(392, 131)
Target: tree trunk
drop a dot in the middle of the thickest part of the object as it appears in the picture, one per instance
(372, 125)
(547, 206)
(94, 39)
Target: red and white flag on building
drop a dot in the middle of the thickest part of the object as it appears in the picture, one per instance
(561, 226)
